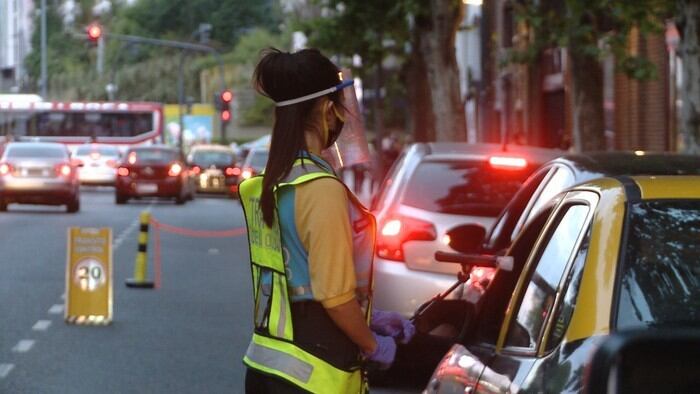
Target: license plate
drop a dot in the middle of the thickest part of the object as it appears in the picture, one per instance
(143, 188)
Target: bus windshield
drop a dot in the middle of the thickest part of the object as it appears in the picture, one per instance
(75, 124)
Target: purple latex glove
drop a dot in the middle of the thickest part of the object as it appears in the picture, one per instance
(393, 325)
(384, 353)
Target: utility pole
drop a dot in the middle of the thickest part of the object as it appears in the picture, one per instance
(43, 78)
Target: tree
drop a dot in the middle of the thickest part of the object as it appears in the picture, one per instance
(590, 30)
(436, 23)
(688, 20)
(420, 35)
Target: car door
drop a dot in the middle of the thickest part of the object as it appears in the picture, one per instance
(523, 347)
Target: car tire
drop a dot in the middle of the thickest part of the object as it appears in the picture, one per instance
(180, 200)
(120, 199)
(3, 206)
(73, 206)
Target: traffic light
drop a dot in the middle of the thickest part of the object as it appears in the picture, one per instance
(223, 104)
(94, 31)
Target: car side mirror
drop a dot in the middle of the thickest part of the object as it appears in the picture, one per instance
(646, 361)
(467, 238)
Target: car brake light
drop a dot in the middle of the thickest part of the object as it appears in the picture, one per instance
(398, 230)
(5, 169)
(196, 170)
(233, 171)
(123, 171)
(175, 169)
(246, 174)
(509, 162)
(64, 170)
(111, 163)
(132, 158)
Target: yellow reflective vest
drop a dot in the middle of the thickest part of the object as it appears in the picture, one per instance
(272, 349)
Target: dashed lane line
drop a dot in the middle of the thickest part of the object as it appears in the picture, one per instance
(42, 325)
(56, 309)
(24, 346)
(5, 370)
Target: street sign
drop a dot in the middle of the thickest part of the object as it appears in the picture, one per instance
(89, 276)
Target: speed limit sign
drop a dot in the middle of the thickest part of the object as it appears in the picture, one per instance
(89, 276)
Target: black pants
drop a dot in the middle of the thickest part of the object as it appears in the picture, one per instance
(259, 383)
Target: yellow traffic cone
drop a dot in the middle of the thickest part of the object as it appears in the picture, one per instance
(141, 262)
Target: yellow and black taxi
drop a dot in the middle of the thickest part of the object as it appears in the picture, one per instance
(608, 256)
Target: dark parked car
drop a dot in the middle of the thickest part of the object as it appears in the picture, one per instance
(214, 169)
(38, 173)
(153, 171)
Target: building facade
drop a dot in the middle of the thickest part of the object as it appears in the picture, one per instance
(15, 43)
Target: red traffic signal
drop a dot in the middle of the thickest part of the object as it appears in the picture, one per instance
(94, 31)
(226, 96)
(225, 115)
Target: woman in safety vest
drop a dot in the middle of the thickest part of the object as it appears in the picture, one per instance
(311, 245)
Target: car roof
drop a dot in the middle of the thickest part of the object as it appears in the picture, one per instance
(37, 144)
(211, 147)
(588, 166)
(532, 154)
(150, 147)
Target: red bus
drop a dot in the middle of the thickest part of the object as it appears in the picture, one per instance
(115, 123)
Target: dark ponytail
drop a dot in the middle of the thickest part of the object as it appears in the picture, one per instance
(284, 76)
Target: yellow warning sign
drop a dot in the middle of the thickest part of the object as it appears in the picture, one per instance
(89, 276)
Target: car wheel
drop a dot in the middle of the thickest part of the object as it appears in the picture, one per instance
(74, 205)
(3, 206)
(179, 200)
(119, 199)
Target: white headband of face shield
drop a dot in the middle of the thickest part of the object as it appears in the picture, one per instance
(312, 96)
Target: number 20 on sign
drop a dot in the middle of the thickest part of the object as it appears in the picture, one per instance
(89, 276)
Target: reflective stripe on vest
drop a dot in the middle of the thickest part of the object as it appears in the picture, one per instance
(286, 360)
(272, 349)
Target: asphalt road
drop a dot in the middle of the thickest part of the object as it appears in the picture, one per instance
(186, 337)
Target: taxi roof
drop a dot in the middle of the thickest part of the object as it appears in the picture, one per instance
(668, 187)
(598, 164)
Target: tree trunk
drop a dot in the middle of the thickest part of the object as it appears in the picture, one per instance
(438, 27)
(422, 122)
(588, 130)
(689, 48)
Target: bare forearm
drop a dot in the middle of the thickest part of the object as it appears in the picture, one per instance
(351, 320)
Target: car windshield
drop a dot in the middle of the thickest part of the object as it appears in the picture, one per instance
(153, 155)
(207, 158)
(102, 150)
(660, 283)
(36, 151)
(462, 187)
(259, 159)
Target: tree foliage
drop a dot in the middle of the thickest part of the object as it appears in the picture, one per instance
(596, 28)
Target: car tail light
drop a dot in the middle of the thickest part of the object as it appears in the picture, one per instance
(508, 162)
(247, 173)
(175, 169)
(132, 158)
(64, 170)
(123, 171)
(196, 170)
(111, 163)
(398, 230)
(233, 171)
(5, 169)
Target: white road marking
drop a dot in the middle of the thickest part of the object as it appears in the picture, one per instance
(23, 346)
(5, 370)
(214, 251)
(56, 309)
(42, 325)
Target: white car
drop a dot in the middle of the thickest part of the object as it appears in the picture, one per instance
(432, 189)
(97, 164)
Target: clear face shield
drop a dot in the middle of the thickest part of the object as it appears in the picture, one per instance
(351, 147)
